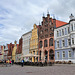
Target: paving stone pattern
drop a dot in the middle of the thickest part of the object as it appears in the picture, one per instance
(63, 69)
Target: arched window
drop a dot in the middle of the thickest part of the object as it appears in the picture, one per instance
(51, 54)
(46, 55)
(40, 44)
(40, 56)
(51, 42)
(51, 51)
(45, 43)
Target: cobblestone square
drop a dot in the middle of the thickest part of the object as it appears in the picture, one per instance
(60, 69)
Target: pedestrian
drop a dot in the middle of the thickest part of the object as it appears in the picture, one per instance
(10, 62)
(22, 62)
(5, 62)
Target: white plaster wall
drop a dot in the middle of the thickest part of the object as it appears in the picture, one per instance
(26, 43)
(62, 36)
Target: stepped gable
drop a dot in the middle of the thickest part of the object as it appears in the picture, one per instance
(10, 49)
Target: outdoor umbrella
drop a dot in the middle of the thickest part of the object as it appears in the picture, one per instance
(27, 55)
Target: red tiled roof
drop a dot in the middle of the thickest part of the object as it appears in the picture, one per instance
(60, 23)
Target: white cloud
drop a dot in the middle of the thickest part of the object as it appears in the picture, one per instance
(18, 16)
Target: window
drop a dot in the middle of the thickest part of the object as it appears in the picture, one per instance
(72, 27)
(52, 28)
(69, 42)
(46, 35)
(73, 41)
(62, 31)
(51, 42)
(51, 34)
(68, 30)
(57, 34)
(34, 52)
(45, 43)
(40, 56)
(63, 54)
(65, 31)
(41, 31)
(58, 44)
(63, 43)
(57, 55)
(41, 37)
(46, 55)
(40, 44)
(51, 54)
(37, 53)
(46, 30)
(69, 53)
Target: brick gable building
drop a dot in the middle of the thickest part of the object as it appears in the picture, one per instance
(46, 37)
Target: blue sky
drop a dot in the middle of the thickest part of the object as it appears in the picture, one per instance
(18, 16)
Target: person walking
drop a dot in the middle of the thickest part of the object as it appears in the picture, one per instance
(10, 62)
(6, 63)
(22, 62)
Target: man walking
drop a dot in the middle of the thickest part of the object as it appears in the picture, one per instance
(22, 62)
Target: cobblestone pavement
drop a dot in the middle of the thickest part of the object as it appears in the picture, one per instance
(60, 69)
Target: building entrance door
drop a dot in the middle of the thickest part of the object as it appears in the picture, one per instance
(51, 55)
(46, 56)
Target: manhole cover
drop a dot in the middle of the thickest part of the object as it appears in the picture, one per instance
(28, 72)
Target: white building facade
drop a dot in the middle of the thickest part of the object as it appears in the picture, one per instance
(64, 37)
(6, 52)
(26, 44)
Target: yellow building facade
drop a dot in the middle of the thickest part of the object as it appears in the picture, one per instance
(34, 43)
(14, 51)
